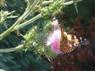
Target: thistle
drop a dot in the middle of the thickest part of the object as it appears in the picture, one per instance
(55, 37)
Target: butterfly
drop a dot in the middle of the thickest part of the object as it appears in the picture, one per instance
(62, 42)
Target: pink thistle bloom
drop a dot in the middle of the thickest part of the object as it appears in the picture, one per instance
(55, 37)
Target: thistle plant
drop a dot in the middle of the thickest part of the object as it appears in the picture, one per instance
(46, 8)
(29, 10)
(6, 15)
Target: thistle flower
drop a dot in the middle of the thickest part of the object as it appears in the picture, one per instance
(55, 37)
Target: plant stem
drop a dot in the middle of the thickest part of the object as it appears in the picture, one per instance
(27, 22)
(26, 13)
(12, 49)
(47, 2)
(65, 3)
(18, 27)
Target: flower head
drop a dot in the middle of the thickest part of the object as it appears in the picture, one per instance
(55, 37)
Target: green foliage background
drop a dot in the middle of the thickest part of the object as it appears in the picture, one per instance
(23, 60)
(30, 58)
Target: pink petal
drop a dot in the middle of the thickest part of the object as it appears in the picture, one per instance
(55, 46)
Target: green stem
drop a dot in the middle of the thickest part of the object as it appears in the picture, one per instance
(27, 22)
(47, 2)
(65, 3)
(26, 13)
(31, 8)
(12, 49)
(18, 27)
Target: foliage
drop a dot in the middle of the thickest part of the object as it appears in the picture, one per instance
(29, 57)
(23, 61)
(26, 23)
(53, 8)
